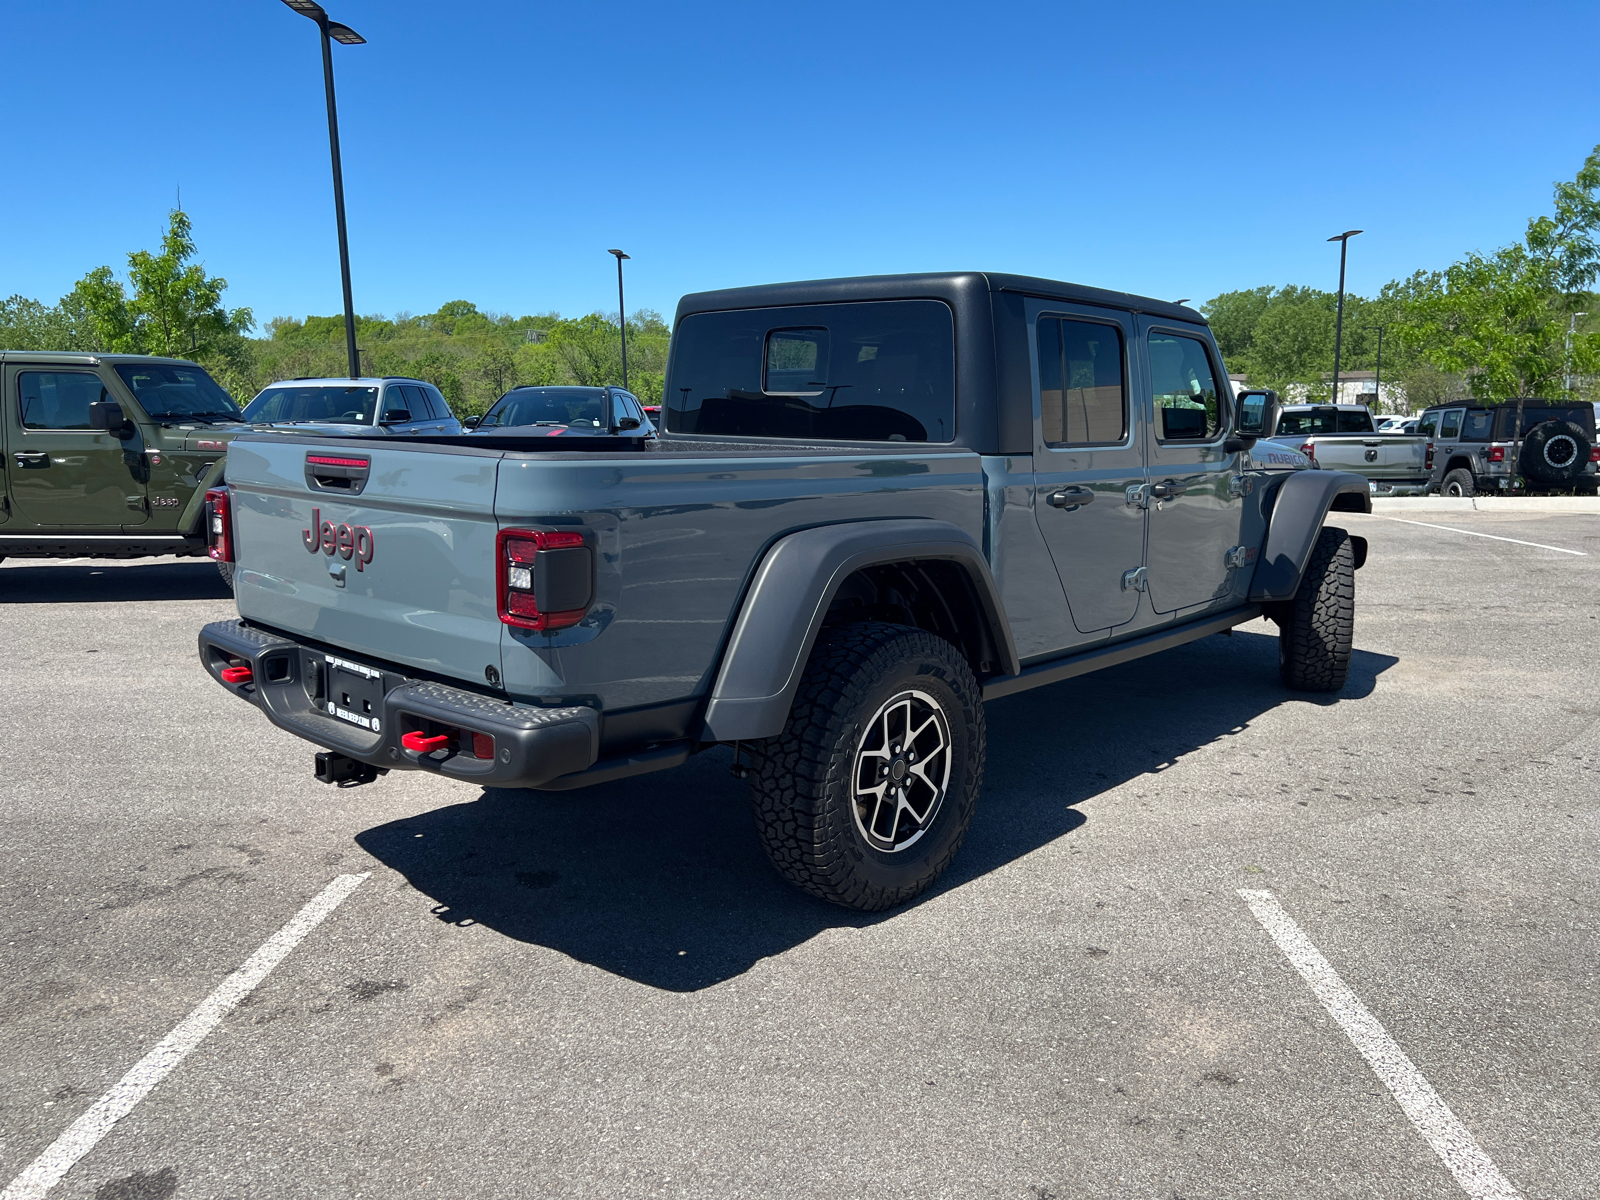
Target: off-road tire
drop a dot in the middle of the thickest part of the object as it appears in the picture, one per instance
(1554, 453)
(802, 785)
(1317, 628)
(1459, 483)
(225, 569)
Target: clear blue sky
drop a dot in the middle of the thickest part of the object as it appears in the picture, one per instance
(493, 151)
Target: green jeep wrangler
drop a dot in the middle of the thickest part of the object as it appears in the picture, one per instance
(108, 455)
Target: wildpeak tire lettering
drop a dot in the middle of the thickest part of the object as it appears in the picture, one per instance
(347, 541)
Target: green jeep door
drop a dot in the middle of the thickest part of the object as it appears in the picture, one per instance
(63, 473)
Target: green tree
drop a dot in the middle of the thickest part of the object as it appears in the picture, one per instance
(1501, 319)
(176, 308)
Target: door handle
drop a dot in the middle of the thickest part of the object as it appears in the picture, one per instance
(1071, 498)
(32, 458)
(1171, 489)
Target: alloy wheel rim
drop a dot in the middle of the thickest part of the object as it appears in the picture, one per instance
(901, 771)
(1564, 446)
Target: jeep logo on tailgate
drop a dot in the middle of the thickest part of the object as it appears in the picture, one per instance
(347, 541)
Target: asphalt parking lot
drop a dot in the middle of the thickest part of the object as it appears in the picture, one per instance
(610, 993)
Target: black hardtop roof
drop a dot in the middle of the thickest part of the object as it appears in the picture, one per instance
(1525, 401)
(954, 286)
(90, 357)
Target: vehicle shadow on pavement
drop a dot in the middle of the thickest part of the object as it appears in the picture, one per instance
(661, 880)
(112, 583)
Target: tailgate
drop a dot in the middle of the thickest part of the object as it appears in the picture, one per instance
(389, 555)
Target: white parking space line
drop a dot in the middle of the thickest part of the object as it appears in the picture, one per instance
(81, 1136)
(1449, 1138)
(1491, 536)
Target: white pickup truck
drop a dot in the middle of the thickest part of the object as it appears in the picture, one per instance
(1344, 437)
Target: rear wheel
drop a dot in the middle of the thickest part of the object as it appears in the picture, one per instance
(1316, 629)
(1459, 483)
(866, 795)
(226, 571)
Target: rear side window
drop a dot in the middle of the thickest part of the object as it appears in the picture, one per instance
(58, 399)
(1082, 401)
(1476, 427)
(875, 372)
(1450, 426)
(441, 410)
(1188, 406)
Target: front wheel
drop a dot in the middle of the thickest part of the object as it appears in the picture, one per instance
(866, 795)
(1316, 630)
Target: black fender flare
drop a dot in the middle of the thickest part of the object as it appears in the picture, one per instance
(189, 522)
(1302, 502)
(789, 596)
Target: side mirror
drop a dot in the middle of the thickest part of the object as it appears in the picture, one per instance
(396, 416)
(107, 416)
(1258, 413)
(628, 423)
(470, 422)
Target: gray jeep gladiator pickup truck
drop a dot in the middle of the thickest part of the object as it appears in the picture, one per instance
(876, 503)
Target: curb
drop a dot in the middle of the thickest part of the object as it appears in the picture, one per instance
(1486, 504)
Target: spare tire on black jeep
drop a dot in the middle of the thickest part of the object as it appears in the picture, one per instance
(1554, 453)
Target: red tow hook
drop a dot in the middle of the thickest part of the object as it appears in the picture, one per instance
(237, 674)
(422, 743)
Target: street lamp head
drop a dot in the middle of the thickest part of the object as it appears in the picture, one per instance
(1338, 237)
(620, 255)
(309, 8)
(344, 35)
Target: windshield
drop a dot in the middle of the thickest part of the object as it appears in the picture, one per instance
(313, 403)
(1323, 420)
(547, 406)
(165, 390)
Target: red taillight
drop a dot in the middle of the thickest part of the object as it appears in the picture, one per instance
(482, 745)
(237, 674)
(1309, 449)
(1497, 454)
(1594, 454)
(219, 525)
(1428, 457)
(545, 579)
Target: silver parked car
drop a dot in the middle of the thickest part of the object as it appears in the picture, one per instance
(353, 407)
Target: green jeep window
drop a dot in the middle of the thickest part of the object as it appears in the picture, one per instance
(58, 399)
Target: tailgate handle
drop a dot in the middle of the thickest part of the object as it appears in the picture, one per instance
(337, 473)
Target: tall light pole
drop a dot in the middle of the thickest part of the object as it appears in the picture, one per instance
(622, 316)
(1338, 330)
(333, 31)
(1377, 383)
(1566, 360)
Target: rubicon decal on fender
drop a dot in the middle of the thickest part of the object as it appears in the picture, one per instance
(347, 541)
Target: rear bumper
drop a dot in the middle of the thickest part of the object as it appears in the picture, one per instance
(531, 745)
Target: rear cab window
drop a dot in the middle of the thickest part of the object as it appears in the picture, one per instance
(882, 371)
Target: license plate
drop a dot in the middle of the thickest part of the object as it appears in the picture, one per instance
(354, 692)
